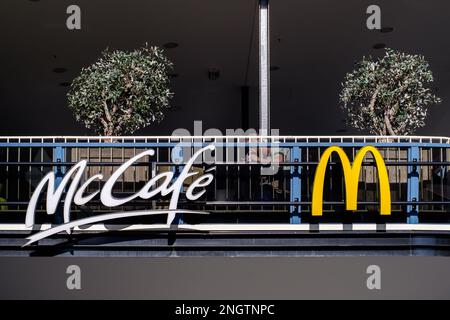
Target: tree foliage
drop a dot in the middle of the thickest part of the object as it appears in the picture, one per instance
(388, 96)
(122, 92)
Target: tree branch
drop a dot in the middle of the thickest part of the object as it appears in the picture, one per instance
(387, 122)
(107, 114)
(373, 99)
(372, 102)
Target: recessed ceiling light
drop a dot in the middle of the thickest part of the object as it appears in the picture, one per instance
(274, 68)
(386, 29)
(170, 45)
(59, 70)
(379, 46)
(65, 84)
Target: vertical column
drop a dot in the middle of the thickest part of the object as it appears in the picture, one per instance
(264, 68)
(295, 186)
(413, 185)
(59, 170)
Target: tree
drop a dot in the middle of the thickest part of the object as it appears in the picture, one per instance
(122, 92)
(388, 96)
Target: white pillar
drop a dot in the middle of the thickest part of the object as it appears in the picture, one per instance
(264, 68)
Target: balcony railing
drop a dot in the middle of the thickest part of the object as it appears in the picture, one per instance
(246, 189)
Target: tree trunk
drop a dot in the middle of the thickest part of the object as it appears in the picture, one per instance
(388, 124)
(107, 122)
(107, 132)
(376, 124)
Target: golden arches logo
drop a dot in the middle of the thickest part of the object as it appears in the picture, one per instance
(351, 177)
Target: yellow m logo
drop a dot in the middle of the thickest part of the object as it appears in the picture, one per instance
(351, 176)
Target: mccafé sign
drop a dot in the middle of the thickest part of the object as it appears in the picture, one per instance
(166, 184)
(163, 184)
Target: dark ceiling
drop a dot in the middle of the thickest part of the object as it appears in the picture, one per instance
(313, 44)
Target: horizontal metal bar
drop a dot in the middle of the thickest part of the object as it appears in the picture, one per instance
(367, 163)
(255, 203)
(250, 228)
(219, 144)
(243, 203)
(59, 164)
(98, 202)
(230, 136)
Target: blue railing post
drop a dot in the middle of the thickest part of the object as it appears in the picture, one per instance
(413, 184)
(177, 157)
(295, 194)
(59, 170)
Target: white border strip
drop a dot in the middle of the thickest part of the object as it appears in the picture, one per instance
(241, 227)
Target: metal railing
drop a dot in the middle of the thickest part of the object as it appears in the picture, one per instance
(244, 190)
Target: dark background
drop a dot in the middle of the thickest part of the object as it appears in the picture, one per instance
(313, 44)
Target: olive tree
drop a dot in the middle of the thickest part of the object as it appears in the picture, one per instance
(122, 92)
(388, 96)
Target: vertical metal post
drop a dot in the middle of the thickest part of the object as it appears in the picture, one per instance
(264, 68)
(177, 170)
(413, 185)
(295, 186)
(59, 170)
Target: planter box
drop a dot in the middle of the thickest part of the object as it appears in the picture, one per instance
(112, 155)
